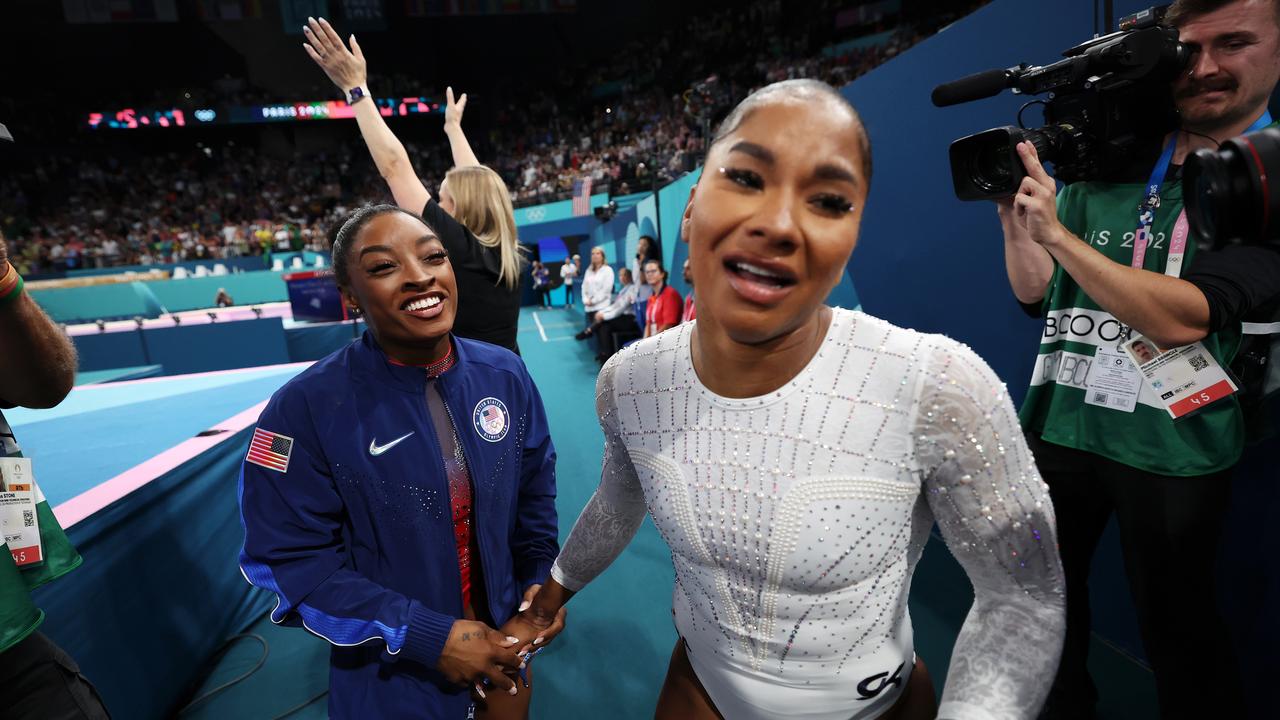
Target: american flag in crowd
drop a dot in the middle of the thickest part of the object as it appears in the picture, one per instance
(582, 196)
(270, 450)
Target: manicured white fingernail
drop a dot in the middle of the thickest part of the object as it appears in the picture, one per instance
(479, 691)
(538, 640)
(512, 639)
(524, 606)
(513, 690)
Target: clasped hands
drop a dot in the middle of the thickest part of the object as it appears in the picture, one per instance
(479, 655)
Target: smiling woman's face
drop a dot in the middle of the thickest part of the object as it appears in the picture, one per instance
(400, 277)
(775, 216)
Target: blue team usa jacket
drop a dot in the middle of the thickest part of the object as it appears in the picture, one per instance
(350, 526)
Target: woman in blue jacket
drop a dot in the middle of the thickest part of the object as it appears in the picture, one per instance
(398, 496)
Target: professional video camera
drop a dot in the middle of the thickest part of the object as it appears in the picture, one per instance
(1109, 106)
(1230, 193)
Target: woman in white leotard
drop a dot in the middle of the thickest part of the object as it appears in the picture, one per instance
(794, 457)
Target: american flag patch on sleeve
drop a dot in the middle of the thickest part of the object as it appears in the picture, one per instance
(270, 450)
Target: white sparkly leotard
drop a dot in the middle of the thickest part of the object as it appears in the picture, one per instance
(795, 520)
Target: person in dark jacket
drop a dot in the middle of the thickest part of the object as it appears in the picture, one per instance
(398, 496)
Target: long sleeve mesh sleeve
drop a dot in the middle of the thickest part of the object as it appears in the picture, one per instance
(995, 514)
(614, 512)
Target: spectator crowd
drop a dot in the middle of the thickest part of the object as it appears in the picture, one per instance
(643, 125)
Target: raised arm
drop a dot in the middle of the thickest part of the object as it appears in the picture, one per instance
(40, 367)
(462, 153)
(348, 70)
(996, 517)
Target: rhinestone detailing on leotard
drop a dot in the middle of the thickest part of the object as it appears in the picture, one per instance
(795, 520)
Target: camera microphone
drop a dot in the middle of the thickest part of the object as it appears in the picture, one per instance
(972, 87)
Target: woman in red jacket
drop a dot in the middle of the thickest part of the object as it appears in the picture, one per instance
(664, 307)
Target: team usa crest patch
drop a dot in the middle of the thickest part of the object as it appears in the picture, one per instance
(270, 450)
(491, 419)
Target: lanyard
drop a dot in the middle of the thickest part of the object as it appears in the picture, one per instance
(1147, 211)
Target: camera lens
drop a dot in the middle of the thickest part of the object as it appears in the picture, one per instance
(989, 168)
(1230, 194)
(1205, 189)
(986, 166)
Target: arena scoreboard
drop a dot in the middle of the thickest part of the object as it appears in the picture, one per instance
(134, 118)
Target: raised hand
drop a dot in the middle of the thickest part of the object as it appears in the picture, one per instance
(477, 654)
(453, 108)
(346, 68)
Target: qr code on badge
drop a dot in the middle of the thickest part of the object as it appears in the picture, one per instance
(1198, 362)
(28, 518)
(1100, 397)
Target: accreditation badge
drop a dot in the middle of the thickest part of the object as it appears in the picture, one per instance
(19, 520)
(1186, 379)
(1113, 381)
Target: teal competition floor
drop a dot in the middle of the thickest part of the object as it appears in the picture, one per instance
(614, 653)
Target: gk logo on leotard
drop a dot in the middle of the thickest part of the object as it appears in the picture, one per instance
(867, 692)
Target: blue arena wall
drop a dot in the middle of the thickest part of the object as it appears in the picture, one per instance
(201, 348)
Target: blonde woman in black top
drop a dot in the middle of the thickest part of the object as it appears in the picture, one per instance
(473, 216)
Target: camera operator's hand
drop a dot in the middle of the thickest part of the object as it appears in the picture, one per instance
(1028, 263)
(346, 68)
(453, 109)
(1014, 229)
(1035, 207)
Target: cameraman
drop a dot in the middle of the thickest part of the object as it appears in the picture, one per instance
(1168, 481)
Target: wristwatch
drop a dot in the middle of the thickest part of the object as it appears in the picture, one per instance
(356, 94)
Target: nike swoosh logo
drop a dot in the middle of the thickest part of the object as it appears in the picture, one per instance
(375, 449)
